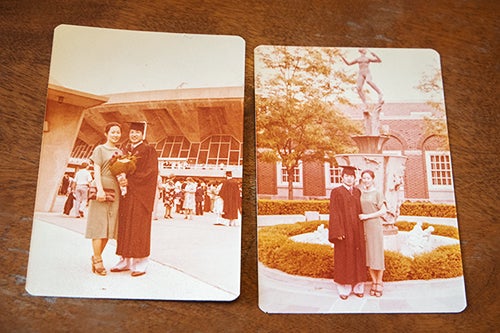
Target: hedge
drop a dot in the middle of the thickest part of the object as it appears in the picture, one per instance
(277, 250)
(293, 207)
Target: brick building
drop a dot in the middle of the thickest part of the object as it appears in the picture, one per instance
(428, 173)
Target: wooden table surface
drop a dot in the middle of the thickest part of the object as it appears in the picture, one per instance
(465, 33)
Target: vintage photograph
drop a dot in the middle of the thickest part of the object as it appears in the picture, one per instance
(356, 202)
(139, 186)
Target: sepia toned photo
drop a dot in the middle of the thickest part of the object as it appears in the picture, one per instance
(139, 186)
(356, 202)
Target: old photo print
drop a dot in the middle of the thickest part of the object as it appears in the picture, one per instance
(157, 120)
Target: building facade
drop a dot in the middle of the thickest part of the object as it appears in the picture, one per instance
(428, 172)
(196, 132)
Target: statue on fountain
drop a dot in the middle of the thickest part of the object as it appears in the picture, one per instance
(389, 168)
(371, 114)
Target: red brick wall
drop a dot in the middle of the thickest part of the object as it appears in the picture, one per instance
(409, 132)
(266, 178)
(314, 179)
(407, 136)
(415, 178)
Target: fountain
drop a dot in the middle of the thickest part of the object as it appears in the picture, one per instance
(389, 169)
(389, 173)
(408, 243)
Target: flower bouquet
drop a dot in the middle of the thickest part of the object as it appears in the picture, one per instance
(121, 166)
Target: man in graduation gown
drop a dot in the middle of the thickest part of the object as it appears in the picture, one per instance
(135, 212)
(230, 194)
(346, 232)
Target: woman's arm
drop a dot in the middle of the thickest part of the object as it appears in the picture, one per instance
(100, 196)
(376, 214)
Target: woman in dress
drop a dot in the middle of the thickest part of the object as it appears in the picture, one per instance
(373, 207)
(189, 204)
(103, 215)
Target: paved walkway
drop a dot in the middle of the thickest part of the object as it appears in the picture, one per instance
(190, 260)
(284, 293)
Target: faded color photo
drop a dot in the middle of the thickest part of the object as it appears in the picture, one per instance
(356, 202)
(139, 188)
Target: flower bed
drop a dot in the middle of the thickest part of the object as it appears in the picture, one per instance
(277, 250)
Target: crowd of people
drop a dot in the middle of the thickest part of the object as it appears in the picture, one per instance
(196, 197)
(128, 218)
(356, 230)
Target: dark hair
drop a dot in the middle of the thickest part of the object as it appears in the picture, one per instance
(371, 173)
(111, 124)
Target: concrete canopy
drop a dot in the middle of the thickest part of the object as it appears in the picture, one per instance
(192, 113)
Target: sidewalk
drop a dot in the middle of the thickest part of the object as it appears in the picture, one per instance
(284, 293)
(190, 260)
(280, 292)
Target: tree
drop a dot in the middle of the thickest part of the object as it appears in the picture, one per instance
(296, 93)
(431, 85)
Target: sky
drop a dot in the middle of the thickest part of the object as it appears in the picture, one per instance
(397, 76)
(400, 71)
(106, 61)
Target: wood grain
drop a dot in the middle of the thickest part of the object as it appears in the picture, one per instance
(465, 33)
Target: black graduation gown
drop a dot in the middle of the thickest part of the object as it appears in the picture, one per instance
(349, 253)
(230, 193)
(136, 208)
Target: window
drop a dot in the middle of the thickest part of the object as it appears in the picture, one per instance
(439, 174)
(220, 149)
(216, 150)
(283, 177)
(332, 175)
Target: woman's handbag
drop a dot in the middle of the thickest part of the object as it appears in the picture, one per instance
(110, 194)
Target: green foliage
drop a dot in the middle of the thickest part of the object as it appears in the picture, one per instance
(293, 207)
(277, 250)
(397, 266)
(445, 261)
(428, 209)
(296, 112)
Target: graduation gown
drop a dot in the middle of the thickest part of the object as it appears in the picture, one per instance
(349, 253)
(230, 194)
(136, 208)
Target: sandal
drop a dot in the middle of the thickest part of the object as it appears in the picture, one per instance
(97, 266)
(373, 289)
(379, 292)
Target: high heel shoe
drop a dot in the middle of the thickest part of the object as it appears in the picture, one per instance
(373, 289)
(379, 291)
(97, 266)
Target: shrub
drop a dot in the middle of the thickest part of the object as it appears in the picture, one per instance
(293, 207)
(397, 266)
(277, 250)
(446, 262)
(427, 209)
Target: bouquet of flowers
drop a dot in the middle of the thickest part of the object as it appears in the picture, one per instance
(121, 166)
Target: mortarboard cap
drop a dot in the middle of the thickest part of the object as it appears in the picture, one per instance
(138, 126)
(348, 169)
